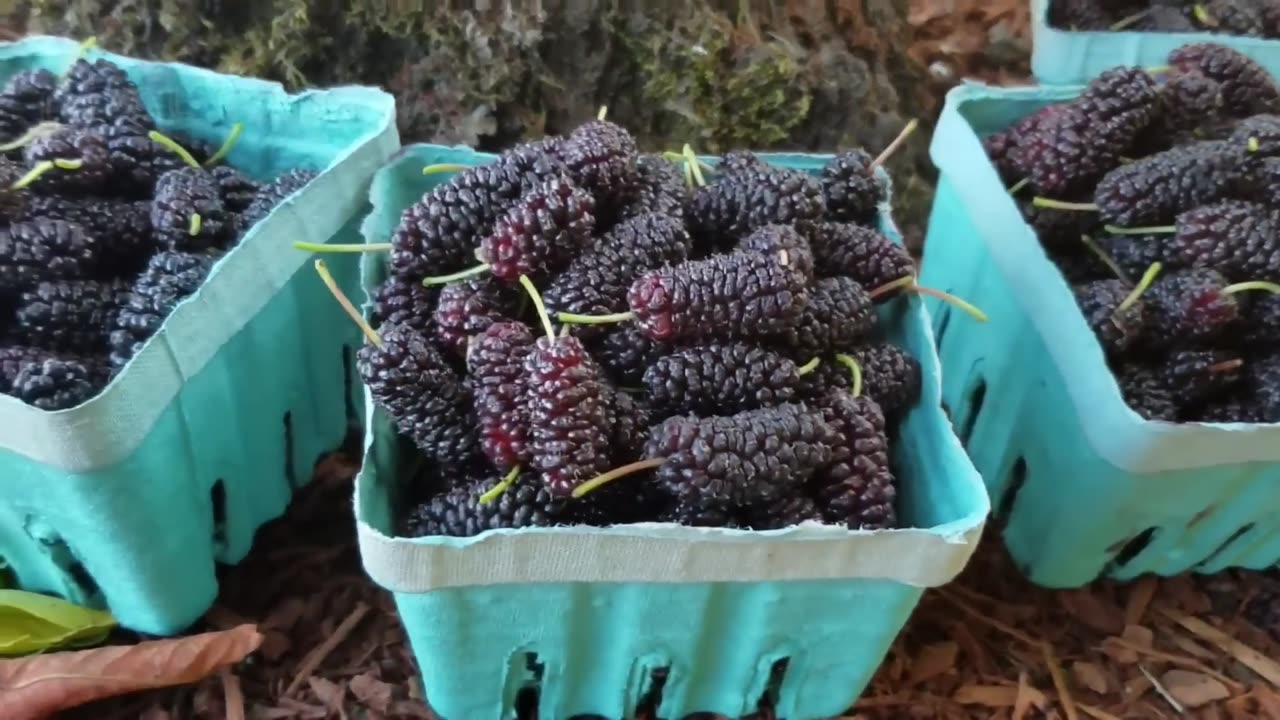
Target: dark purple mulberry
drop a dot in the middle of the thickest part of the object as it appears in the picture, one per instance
(862, 253)
(467, 308)
(782, 242)
(1189, 307)
(54, 384)
(737, 203)
(1079, 15)
(1060, 230)
(850, 189)
(838, 316)
(236, 189)
(43, 249)
(270, 195)
(70, 315)
(98, 93)
(569, 428)
(137, 161)
(541, 232)
(187, 213)
(1238, 239)
(746, 460)
(683, 512)
(890, 376)
(1247, 87)
(720, 379)
(26, 100)
(118, 230)
(1153, 190)
(632, 418)
(1146, 394)
(1119, 331)
(626, 352)
(458, 512)
(420, 392)
(1133, 254)
(167, 280)
(496, 361)
(1196, 376)
(1262, 320)
(403, 302)
(857, 488)
(724, 296)
(658, 188)
(601, 158)
(81, 160)
(1236, 17)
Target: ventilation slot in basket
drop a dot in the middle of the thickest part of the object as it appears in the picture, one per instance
(1009, 498)
(1132, 548)
(83, 587)
(290, 472)
(975, 396)
(651, 699)
(349, 390)
(773, 691)
(526, 702)
(943, 323)
(218, 501)
(1226, 544)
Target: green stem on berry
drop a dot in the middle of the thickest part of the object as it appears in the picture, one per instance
(1013, 189)
(438, 168)
(809, 367)
(630, 390)
(33, 133)
(969, 308)
(614, 474)
(1158, 69)
(1225, 366)
(1254, 145)
(83, 49)
(1052, 204)
(227, 144)
(172, 145)
(692, 159)
(480, 269)
(342, 247)
(688, 174)
(538, 306)
(603, 113)
(32, 175)
(855, 372)
(1202, 16)
(888, 152)
(1125, 22)
(1251, 285)
(65, 164)
(885, 289)
(1150, 230)
(1102, 255)
(193, 225)
(575, 318)
(1148, 277)
(494, 492)
(323, 271)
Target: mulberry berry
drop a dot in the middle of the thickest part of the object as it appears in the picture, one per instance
(118, 230)
(1238, 239)
(720, 379)
(861, 253)
(1233, 16)
(749, 459)
(167, 280)
(1079, 15)
(270, 195)
(838, 316)
(1247, 87)
(25, 100)
(1004, 147)
(1059, 230)
(632, 418)
(69, 315)
(1119, 331)
(725, 296)
(541, 232)
(784, 513)
(601, 158)
(404, 302)
(658, 188)
(683, 512)
(137, 161)
(458, 512)
(182, 195)
(596, 282)
(1189, 103)
(87, 149)
(236, 189)
(420, 392)
(53, 384)
(1263, 378)
(1146, 394)
(1133, 254)
(466, 309)
(496, 361)
(1262, 320)
(43, 249)
(626, 352)
(782, 242)
(1197, 376)
(890, 376)
(13, 358)
(857, 488)
(740, 202)
(1189, 307)
(1234, 407)
(1155, 189)
(850, 189)
(98, 94)
(569, 428)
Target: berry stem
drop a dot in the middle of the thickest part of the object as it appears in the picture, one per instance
(969, 308)
(1102, 255)
(855, 372)
(170, 144)
(1127, 21)
(692, 159)
(32, 175)
(227, 144)
(65, 164)
(323, 271)
(1253, 144)
(614, 474)
(507, 481)
(603, 113)
(1159, 69)
(688, 174)
(1203, 17)
(1251, 285)
(541, 309)
(1052, 204)
(443, 168)
(193, 225)
(1014, 188)
(809, 367)
(1148, 277)
(1149, 230)
(568, 317)
(33, 133)
(1225, 366)
(342, 247)
(83, 49)
(888, 152)
(885, 289)
(480, 269)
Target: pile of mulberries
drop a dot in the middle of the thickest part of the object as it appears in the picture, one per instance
(1170, 233)
(1247, 18)
(614, 345)
(103, 229)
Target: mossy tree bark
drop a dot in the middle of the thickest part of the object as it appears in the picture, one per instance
(765, 74)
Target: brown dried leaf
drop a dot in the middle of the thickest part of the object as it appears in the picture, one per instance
(1193, 689)
(1093, 610)
(1250, 658)
(996, 696)
(329, 693)
(1090, 676)
(371, 691)
(933, 660)
(35, 687)
(1139, 599)
(1117, 650)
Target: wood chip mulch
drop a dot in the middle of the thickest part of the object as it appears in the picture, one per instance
(988, 646)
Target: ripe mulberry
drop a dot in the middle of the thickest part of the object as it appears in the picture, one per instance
(1197, 376)
(746, 460)
(720, 379)
(1119, 331)
(724, 296)
(236, 189)
(838, 316)
(1238, 239)
(496, 361)
(1153, 190)
(730, 208)
(75, 145)
(1133, 254)
(70, 315)
(404, 302)
(1262, 320)
(626, 352)
(632, 418)
(43, 249)
(1146, 394)
(1079, 15)
(683, 512)
(596, 281)
(890, 376)
(137, 161)
(25, 100)
(850, 189)
(1247, 87)
(541, 232)
(1233, 17)
(53, 384)
(118, 230)
(458, 512)
(1189, 103)
(569, 428)
(1059, 230)
(783, 242)
(270, 195)
(1189, 307)
(658, 188)
(98, 94)
(167, 280)
(420, 392)
(180, 196)
(465, 309)
(861, 253)
(857, 488)
(601, 158)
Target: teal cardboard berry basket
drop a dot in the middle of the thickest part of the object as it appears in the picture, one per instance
(587, 622)
(1074, 57)
(1081, 485)
(128, 500)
